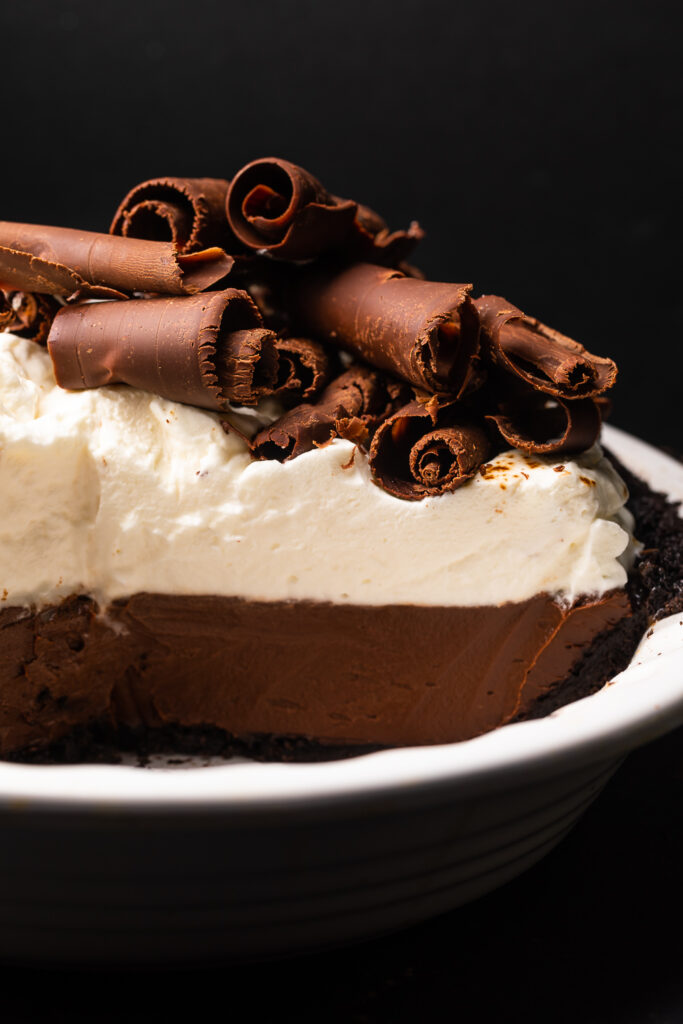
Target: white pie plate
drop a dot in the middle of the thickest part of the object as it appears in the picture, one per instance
(113, 864)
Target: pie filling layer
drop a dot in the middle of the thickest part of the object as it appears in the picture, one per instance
(330, 674)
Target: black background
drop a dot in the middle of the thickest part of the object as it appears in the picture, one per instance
(539, 145)
(537, 142)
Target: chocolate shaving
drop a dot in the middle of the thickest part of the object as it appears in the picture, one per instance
(279, 207)
(22, 271)
(427, 448)
(29, 316)
(535, 423)
(78, 264)
(247, 365)
(378, 244)
(424, 331)
(190, 212)
(544, 358)
(350, 407)
(303, 371)
(204, 350)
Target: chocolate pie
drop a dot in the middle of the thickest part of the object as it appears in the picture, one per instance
(267, 490)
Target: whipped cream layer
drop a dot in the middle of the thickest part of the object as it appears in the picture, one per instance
(114, 492)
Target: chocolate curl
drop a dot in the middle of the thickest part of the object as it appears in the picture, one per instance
(423, 331)
(542, 357)
(247, 365)
(78, 264)
(22, 271)
(30, 316)
(378, 244)
(303, 371)
(278, 207)
(426, 449)
(204, 350)
(190, 212)
(351, 407)
(534, 423)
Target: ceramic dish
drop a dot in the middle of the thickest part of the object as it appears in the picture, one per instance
(111, 864)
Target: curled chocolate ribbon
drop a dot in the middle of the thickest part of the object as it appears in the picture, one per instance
(79, 264)
(351, 407)
(281, 208)
(424, 331)
(205, 350)
(377, 244)
(427, 448)
(539, 355)
(304, 368)
(22, 271)
(28, 315)
(545, 425)
(190, 212)
(275, 205)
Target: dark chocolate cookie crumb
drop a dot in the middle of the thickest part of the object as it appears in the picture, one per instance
(102, 743)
